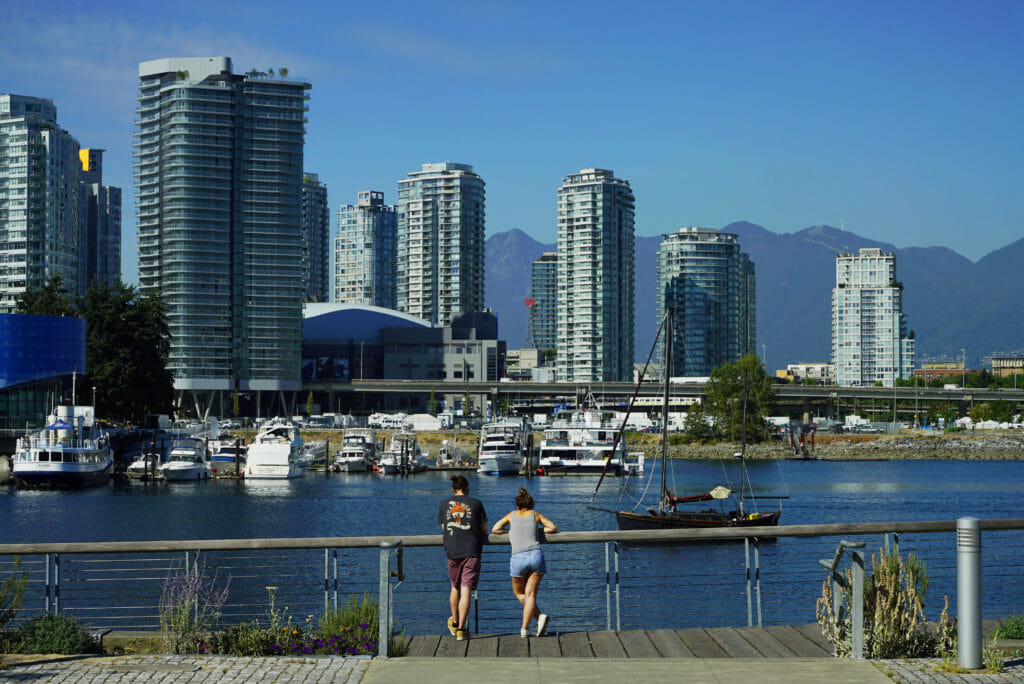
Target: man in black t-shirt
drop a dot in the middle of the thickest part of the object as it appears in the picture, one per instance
(464, 528)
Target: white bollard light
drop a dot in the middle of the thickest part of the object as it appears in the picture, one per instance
(968, 592)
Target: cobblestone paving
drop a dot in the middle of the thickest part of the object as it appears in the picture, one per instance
(87, 670)
(926, 671)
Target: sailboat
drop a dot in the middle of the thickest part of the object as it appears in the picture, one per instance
(668, 514)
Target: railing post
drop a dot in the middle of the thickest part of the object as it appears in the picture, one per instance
(857, 612)
(618, 594)
(335, 592)
(56, 583)
(968, 592)
(757, 578)
(746, 568)
(607, 587)
(385, 613)
(46, 599)
(327, 560)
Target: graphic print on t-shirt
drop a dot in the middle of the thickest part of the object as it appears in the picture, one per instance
(459, 516)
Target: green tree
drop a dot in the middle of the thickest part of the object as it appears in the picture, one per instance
(127, 346)
(309, 403)
(695, 426)
(51, 299)
(724, 397)
(432, 403)
(234, 404)
(1000, 411)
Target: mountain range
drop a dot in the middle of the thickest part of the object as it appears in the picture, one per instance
(951, 303)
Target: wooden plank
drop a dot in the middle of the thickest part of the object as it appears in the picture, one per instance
(483, 646)
(798, 643)
(812, 632)
(669, 644)
(701, 644)
(575, 645)
(423, 646)
(450, 647)
(637, 644)
(513, 646)
(606, 644)
(545, 647)
(733, 644)
(766, 643)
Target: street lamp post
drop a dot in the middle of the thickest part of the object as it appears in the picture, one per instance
(763, 362)
(963, 367)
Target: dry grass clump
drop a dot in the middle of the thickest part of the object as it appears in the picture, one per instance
(894, 621)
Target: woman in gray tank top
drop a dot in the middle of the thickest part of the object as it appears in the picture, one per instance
(527, 565)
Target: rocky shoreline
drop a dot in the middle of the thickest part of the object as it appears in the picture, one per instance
(972, 448)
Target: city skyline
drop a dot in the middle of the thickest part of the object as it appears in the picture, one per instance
(788, 116)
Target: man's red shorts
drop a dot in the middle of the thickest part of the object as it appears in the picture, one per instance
(464, 572)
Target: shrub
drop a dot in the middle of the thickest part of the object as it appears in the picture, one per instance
(894, 622)
(1010, 627)
(12, 591)
(55, 633)
(355, 611)
(240, 640)
(350, 630)
(190, 606)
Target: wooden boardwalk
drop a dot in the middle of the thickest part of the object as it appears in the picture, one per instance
(780, 641)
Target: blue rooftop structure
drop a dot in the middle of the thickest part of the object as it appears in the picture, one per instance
(35, 348)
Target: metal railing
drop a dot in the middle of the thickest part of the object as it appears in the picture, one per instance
(117, 585)
(839, 583)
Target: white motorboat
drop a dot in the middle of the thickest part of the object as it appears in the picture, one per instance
(581, 443)
(187, 461)
(501, 447)
(358, 452)
(276, 453)
(69, 453)
(403, 455)
(145, 466)
(451, 455)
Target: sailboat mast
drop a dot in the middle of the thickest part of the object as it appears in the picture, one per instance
(664, 408)
(743, 440)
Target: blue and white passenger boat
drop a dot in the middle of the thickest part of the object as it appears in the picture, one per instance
(69, 453)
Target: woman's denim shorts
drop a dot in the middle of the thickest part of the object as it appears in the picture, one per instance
(528, 562)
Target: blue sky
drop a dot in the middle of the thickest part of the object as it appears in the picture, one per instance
(899, 120)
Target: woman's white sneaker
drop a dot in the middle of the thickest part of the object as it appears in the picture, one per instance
(542, 624)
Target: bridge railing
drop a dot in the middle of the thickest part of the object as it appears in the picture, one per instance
(607, 579)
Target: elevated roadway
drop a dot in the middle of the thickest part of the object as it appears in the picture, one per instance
(612, 393)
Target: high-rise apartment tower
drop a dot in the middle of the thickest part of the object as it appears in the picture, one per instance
(102, 230)
(440, 253)
(869, 331)
(364, 252)
(544, 290)
(595, 278)
(218, 172)
(709, 285)
(41, 200)
(316, 239)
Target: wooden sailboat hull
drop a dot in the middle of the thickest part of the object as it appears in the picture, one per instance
(694, 520)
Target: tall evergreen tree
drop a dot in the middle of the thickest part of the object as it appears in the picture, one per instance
(127, 346)
(52, 299)
(725, 393)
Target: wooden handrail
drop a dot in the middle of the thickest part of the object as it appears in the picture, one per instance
(627, 536)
